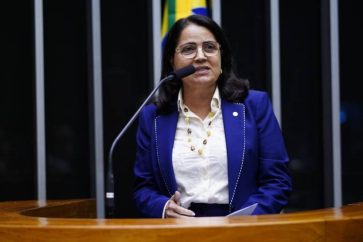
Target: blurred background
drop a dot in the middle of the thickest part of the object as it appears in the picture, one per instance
(319, 102)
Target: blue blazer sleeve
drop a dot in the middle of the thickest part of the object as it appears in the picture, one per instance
(148, 196)
(273, 179)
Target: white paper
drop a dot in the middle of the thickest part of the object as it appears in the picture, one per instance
(244, 211)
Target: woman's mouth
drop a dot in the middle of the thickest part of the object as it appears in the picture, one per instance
(202, 70)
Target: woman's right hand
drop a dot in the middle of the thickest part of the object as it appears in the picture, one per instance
(174, 210)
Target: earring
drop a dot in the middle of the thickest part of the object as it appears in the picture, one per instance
(221, 71)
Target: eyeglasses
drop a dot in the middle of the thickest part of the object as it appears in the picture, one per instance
(189, 50)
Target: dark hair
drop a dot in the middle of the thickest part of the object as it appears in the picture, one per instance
(231, 87)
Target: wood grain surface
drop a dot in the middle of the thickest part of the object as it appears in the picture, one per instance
(74, 220)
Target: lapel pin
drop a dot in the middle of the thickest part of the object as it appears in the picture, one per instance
(235, 114)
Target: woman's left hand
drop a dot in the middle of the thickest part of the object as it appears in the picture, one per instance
(174, 210)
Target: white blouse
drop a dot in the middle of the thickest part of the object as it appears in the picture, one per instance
(201, 169)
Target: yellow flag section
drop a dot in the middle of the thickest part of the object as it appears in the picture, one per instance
(176, 9)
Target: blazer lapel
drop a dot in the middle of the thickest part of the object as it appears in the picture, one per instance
(234, 128)
(165, 128)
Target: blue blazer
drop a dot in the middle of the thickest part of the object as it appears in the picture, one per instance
(257, 158)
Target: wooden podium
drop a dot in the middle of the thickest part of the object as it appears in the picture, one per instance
(74, 220)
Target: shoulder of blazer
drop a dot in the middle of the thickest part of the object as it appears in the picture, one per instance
(254, 96)
(256, 100)
(252, 100)
(149, 111)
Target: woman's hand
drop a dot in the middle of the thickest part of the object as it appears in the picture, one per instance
(174, 210)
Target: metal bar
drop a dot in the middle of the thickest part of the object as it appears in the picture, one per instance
(217, 11)
(39, 92)
(156, 25)
(97, 107)
(327, 104)
(335, 99)
(275, 59)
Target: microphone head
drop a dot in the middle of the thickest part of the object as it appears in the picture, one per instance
(183, 72)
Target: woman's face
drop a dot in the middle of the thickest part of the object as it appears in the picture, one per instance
(197, 46)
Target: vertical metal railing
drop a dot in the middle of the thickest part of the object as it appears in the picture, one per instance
(40, 106)
(275, 58)
(335, 99)
(156, 25)
(96, 97)
(217, 11)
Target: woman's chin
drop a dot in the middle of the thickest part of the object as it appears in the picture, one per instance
(201, 82)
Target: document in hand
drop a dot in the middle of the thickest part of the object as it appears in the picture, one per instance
(244, 211)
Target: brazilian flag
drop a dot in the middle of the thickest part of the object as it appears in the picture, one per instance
(176, 9)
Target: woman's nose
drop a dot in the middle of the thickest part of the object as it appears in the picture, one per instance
(200, 53)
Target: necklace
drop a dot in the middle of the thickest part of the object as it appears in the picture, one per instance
(207, 130)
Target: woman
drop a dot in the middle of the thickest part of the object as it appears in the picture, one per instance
(208, 146)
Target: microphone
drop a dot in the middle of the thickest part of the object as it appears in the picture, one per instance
(110, 203)
(183, 72)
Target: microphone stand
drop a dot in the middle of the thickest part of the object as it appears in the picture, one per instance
(110, 195)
